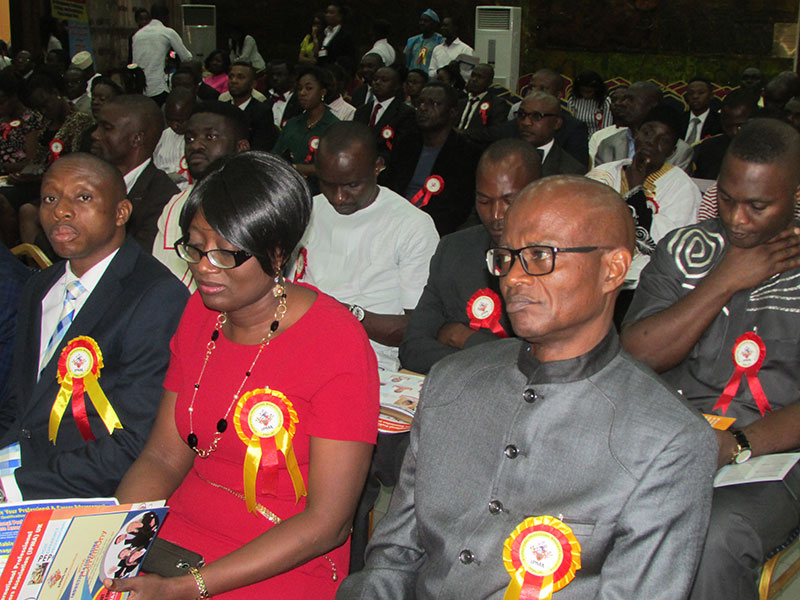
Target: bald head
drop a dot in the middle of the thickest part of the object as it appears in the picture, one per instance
(547, 80)
(110, 175)
(146, 114)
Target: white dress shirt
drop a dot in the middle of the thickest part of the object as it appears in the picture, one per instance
(330, 32)
(150, 46)
(132, 175)
(444, 54)
(698, 132)
(169, 152)
(383, 49)
(279, 106)
(342, 109)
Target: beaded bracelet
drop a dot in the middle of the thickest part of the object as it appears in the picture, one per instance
(201, 585)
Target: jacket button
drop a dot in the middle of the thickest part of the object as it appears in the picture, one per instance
(466, 556)
(495, 507)
(26, 433)
(530, 395)
(511, 451)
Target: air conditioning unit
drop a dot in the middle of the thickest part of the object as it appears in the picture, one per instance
(497, 41)
(199, 28)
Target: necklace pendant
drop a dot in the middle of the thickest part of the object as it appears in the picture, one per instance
(191, 439)
(222, 425)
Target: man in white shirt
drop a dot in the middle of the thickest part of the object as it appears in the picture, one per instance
(103, 319)
(281, 90)
(150, 47)
(365, 245)
(168, 155)
(450, 51)
(128, 129)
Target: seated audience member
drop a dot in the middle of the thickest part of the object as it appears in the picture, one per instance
(752, 79)
(214, 130)
(716, 315)
(281, 89)
(557, 445)
(450, 50)
(83, 60)
(460, 306)
(589, 101)
(419, 48)
(110, 300)
(169, 153)
(336, 43)
(387, 115)
(636, 101)
(660, 196)
(429, 168)
(483, 108)
(217, 64)
(13, 274)
(538, 121)
(369, 65)
(701, 121)
(341, 108)
(737, 107)
(283, 533)
(309, 45)
(615, 97)
(263, 133)
(188, 76)
(300, 136)
(381, 29)
(128, 129)
(20, 127)
(451, 75)
(412, 86)
(75, 90)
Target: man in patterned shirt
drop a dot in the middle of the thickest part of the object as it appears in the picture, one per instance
(716, 314)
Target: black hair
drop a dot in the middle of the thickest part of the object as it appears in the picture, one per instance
(765, 141)
(140, 11)
(255, 201)
(590, 79)
(107, 81)
(455, 75)
(665, 114)
(450, 93)
(186, 70)
(740, 97)
(341, 136)
(421, 72)
(226, 61)
(235, 117)
(321, 75)
(526, 151)
(702, 80)
(243, 63)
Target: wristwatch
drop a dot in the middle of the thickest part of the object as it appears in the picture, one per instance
(357, 311)
(743, 451)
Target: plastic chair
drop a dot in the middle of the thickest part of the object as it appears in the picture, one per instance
(767, 588)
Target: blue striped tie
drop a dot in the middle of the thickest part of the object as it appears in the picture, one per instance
(73, 292)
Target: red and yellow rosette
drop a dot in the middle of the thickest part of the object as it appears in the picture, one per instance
(423, 53)
(78, 371)
(301, 265)
(183, 169)
(749, 353)
(56, 148)
(7, 127)
(483, 111)
(387, 135)
(265, 421)
(433, 187)
(541, 555)
(484, 310)
(313, 144)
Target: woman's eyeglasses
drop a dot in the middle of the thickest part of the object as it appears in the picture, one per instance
(222, 259)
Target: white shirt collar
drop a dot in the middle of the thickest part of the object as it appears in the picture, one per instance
(546, 149)
(132, 175)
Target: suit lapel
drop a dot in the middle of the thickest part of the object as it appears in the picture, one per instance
(139, 188)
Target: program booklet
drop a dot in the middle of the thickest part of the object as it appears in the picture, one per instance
(399, 397)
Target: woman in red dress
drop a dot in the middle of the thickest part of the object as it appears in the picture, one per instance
(265, 432)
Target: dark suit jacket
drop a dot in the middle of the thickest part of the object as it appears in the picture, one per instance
(131, 314)
(149, 194)
(398, 115)
(708, 155)
(340, 47)
(573, 137)
(455, 164)
(359, 98)
(712, 125)
(496, 114)
(263, 133)
(558, 162)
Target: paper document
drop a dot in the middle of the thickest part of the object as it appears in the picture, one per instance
(770, 467)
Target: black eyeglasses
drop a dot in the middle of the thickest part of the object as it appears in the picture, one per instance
(535, 260)
(222, 259)
(534, 116)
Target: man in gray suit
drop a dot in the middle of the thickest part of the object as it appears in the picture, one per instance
(638, 100)
(554, 462)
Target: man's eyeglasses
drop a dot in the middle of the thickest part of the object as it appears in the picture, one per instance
(222, 259)
(535, 260)
(534, 116)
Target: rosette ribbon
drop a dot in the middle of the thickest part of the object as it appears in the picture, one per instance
(313, 144)
(483, 111)
(78, 371)
(56, 148)
(483, 311)
(7, 127)
(183, 169)
(598, 118)
(387, 135)
(265, 421)
(301, 265)
(541, 555)
(749, 353)
(423, 52)
(433, 187)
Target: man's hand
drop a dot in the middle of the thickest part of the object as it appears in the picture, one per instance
(744, 268)
(454, 334)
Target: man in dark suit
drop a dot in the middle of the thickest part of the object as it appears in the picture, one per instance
(482, 108)
(94, 333)
(538, 120)
(128, 130)
(281, 83)
(263, 133)
(701, 121)
(369, 65)
(388, 116)
(429, 169)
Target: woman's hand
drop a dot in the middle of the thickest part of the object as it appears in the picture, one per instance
(155, 587)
